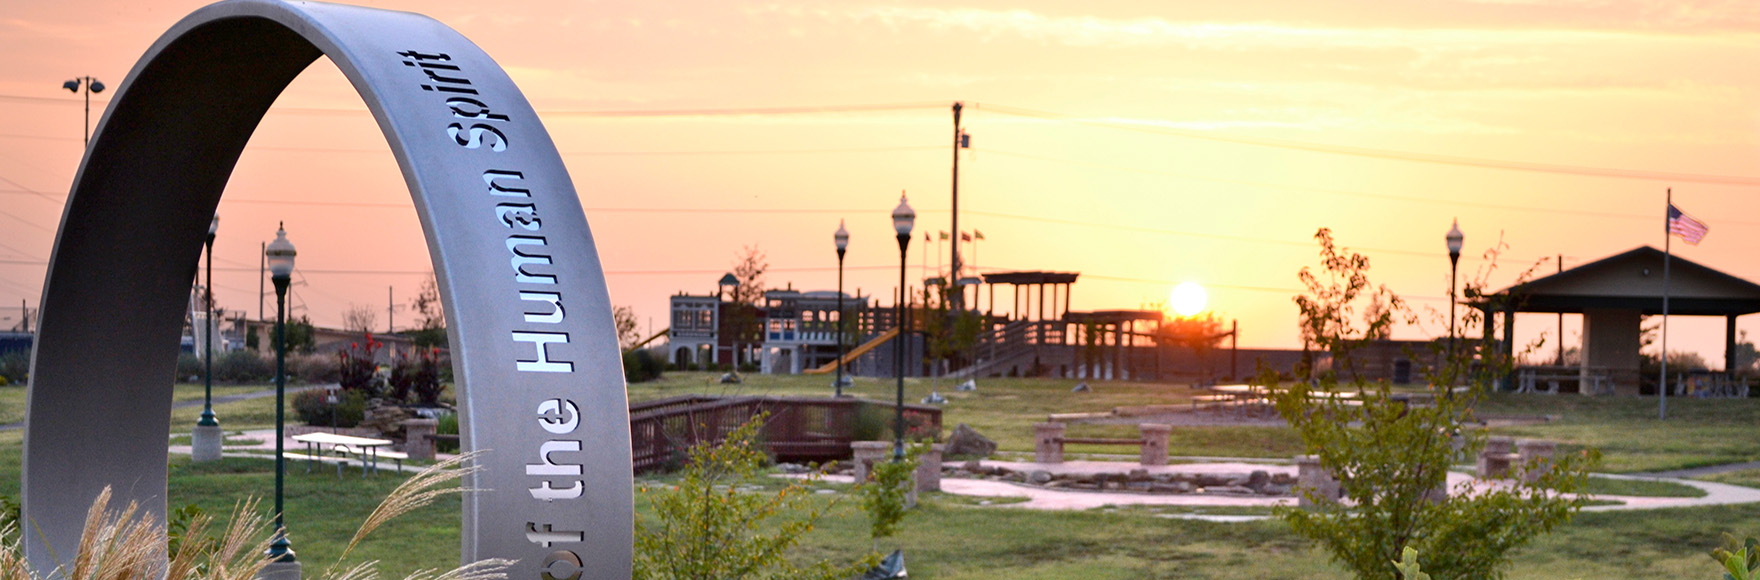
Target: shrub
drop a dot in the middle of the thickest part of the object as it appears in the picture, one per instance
(416, 379)
(640, 366)
(447, 424)
(243, 366)
(15, 366)
(357, 364)
(709, 528)
(310, 368)
(189, 367)
(314, 407)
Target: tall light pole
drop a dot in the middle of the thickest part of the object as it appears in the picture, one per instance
(205, 440)
(1454, 238)
(279, 254)
(842, 238)
(902, 220)
(90, 85)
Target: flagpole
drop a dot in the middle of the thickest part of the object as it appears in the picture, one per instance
(1667, 241)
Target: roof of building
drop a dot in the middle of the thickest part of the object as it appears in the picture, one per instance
(1026, 278)
(1633, 281)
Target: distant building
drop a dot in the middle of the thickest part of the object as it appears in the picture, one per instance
(800, 329)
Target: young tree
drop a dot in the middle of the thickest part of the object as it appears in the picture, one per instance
(1391, 455)
(705, 527)
(742, 316)
(430, 328)
(359, 318)
(624, 318)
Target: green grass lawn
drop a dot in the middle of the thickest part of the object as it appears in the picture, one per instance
(1641, 488)
(1631, 439)
(1743, 477)
(954, 538)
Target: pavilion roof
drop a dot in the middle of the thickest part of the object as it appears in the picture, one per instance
(1633, 281)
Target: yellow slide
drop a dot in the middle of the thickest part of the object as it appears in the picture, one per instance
(858, 351)
(643, 343)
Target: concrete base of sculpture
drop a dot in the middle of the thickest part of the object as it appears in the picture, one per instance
(205, 443)
(280, 571)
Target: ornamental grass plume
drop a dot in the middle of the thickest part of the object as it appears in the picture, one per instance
(129, 544)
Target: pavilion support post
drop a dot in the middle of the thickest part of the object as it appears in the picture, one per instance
(1509, 345)
(1729, 345)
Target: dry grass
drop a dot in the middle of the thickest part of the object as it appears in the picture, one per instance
(129, 544)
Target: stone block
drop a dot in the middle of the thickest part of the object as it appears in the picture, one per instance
(1048, 442)
(929, 468)
(419, 438)
(1494, 461)
(1536, 457)
(1155, 437)
(1311, 477)
(205, 443)
(867, 453)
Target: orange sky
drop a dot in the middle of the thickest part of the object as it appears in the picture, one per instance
(1193, 141)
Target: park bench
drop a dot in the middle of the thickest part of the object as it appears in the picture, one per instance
(1152, 445)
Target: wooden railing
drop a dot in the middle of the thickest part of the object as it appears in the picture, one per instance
(797, 429)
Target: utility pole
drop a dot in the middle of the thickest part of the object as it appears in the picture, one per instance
(390, 311)
(953, 273)
(1561, 319)
(262, 272)
(24, 308)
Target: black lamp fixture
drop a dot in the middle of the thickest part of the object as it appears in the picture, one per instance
(903, 218)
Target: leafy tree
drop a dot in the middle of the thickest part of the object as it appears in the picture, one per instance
(741, 322)
(1391, 455)
(949, 333)
(300, 335)
(708, 528)
(624, 319)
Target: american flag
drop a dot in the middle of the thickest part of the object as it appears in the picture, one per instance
(1690, 230)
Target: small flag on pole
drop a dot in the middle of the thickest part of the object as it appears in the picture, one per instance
(978, 234)
(1690, 230)
(943, 236)
(965, 237)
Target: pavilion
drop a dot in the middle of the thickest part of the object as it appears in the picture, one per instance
(1614, 294)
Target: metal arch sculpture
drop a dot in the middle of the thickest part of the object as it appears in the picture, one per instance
(540, 380)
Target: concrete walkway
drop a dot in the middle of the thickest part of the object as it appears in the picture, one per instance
(1700, 471)
(1059, 499)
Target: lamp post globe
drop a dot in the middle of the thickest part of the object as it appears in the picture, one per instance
(903, 218)
(842, 240)
(1454, 239)
(280, 254)
(206, 437)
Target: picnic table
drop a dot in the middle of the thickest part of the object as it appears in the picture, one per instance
(366, 448)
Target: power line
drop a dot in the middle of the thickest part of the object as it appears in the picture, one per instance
(708, 112)
(1550, 211)
(1432, 158)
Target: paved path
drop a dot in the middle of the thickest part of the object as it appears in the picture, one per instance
(198, 402)
(1699, 471)
(1056, 499)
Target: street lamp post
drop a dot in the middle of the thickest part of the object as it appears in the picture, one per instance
(206, 438)
(91, 85)
(902, 220)
(1454, 238)
(842, 237)
(280, 254)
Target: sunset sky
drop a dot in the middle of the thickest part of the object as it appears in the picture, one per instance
(1142, 144)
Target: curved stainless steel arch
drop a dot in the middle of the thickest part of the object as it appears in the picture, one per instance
(534, 354)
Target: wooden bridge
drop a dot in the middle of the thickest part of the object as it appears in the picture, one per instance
(798, 429)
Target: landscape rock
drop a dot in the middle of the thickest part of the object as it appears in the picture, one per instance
(967, 442)
(934, 398)
(969, 385)
(1257, 480)
(1040, 477)
(1081, 387)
